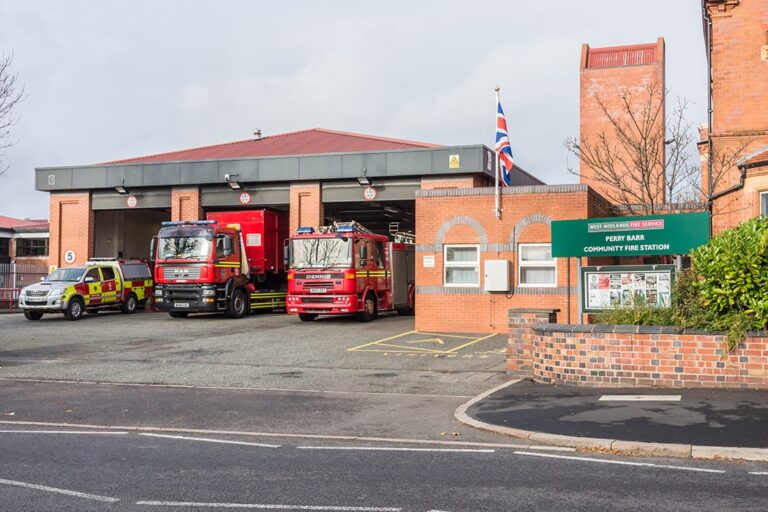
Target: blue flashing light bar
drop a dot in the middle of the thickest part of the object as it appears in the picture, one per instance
(188, 223)
(305, 230)
(345, 229)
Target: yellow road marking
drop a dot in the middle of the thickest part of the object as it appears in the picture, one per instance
(428, 340)
(379, 341)
(447, 335)
(472, 342)
(410, 349)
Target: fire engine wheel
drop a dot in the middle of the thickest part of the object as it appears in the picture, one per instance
(369, 308)
(33, 315)
(75, 309)
(238, 305)
(307, 317)
(130, 304)
(178, 314)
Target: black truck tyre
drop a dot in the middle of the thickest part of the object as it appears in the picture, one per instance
(75, 309)
(370, 308)
(130, 304)
(32, 315)
(238, 304)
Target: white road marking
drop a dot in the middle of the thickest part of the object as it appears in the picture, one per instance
(208, 440)
(621, 463)
(393, 449)
(640, 398)
(62, 432)
(56, 490)
(267, 506)
(292, 436)
(757, 472)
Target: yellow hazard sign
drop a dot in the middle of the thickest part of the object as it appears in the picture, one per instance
(454, 162)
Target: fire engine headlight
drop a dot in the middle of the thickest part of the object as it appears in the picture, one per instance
(209, 292)
(341, 300)
(158, 292)
(293, 299)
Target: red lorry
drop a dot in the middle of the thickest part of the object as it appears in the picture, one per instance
(344, 268)
(230, 262)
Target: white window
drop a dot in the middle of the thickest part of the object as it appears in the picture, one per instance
(462, 265)
(763, 203)
(536, 266)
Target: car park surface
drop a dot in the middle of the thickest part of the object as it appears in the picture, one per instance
(264, 351)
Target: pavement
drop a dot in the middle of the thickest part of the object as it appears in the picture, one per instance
(690, 423)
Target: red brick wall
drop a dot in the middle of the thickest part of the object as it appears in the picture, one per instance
(661, 356)
(457, 215)
(306, 206)
(185, 204)
(739, 89)
(71, 228)
(607, 83)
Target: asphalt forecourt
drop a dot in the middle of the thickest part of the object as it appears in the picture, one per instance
(686, 423)
(96, 469)
(261, 351)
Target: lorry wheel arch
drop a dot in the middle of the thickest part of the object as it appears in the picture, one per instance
(237, 303)
(370, 306)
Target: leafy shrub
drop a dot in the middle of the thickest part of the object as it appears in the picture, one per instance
(725, 291)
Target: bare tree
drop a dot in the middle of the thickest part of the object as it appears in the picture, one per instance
(640, 151)
(11, 94)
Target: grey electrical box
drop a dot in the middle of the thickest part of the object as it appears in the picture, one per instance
(496, 275)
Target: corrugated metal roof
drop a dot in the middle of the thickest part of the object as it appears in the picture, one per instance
(13, 223)
(304, 142)
(618, 56)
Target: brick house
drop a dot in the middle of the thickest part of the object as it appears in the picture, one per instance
(23, 241)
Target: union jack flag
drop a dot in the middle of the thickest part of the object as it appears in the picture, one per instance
(503, 148)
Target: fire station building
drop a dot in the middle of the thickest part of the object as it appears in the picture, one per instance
(443, 195)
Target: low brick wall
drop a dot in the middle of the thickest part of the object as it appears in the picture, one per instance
(636, 356)
(520, 348)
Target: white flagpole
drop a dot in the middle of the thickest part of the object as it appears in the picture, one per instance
(497, 209)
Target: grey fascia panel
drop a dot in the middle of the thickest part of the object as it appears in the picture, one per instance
(342, 192)
(320, 167)
(92, 177)
(260, 196)
(203, 172)
(146, 198)
(279, 169)
(421, 162)
(132, 174)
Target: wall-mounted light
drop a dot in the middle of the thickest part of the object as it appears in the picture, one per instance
(231, 180)
(363, 179)
(120, 189)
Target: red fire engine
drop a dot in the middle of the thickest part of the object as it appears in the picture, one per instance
(231, 262)
(345, 268)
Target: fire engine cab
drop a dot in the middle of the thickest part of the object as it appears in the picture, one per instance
(347, 269)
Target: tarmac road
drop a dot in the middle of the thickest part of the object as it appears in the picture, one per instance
(130, 471)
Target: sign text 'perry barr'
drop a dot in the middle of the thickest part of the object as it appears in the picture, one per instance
(630, 236)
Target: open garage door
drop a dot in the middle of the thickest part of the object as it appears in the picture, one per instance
(390, 208)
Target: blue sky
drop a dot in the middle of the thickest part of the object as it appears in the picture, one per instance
(107, 80)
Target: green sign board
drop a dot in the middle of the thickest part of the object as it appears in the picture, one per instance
(676, 233)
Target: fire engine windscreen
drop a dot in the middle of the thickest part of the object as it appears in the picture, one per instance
(321, 253)
(184, 244)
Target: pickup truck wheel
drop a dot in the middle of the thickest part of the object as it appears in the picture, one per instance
(307, 317)
(369, 308)
(178, 314)
(32, 315)
(238, 305)
(75, 309)
(130, 304)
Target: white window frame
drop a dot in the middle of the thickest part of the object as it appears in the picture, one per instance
(460, 264)
(522, 264)
(760, 203)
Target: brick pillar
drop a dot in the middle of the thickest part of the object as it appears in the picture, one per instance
(306, 205)
(519, 347)
(185, 204)
(71, 229)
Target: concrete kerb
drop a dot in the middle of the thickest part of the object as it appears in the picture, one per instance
(638, 448)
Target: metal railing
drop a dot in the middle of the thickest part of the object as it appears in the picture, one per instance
(14, 277)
